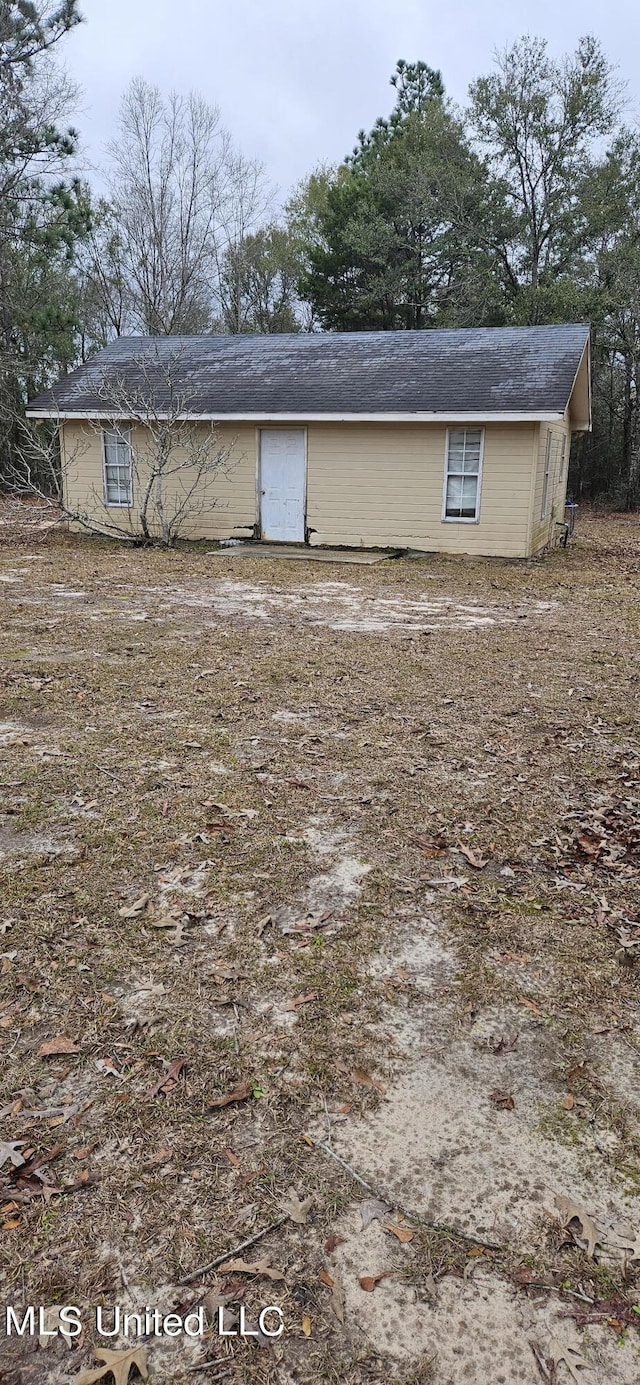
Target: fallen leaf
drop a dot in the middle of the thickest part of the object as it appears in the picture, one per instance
(118, 1363)
(359, 1075)
(261, 1267)
(169, 1078)
(372, 1209)
(129, 910)
(571, 1211)
(155, 1161)
(295, 1209)
(368, 1281)
(107, 1066)
(337, 1293)
(473, 857)
(221, 973)
(455, 882)
(233, 1158)
(432, 846)
(239, 1093)
(54, 1046)
(403, 1233)
(430, 1288)
(571, 1357)
(568, 1101)
(9, 1150)
(503, 1100)
(332, 1241)
(303, 1000)
(530, 1004)
(306, 1324)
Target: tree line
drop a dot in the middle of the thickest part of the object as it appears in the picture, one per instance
(521, 208)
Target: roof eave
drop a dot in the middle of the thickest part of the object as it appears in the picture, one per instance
(582, 381)
(429, 416)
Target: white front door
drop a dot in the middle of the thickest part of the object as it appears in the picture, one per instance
(283, 467)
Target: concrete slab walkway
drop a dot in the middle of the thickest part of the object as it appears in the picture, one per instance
(362, 556)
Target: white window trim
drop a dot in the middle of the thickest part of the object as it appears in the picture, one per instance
(116, 504)
(546, 477)
(563, 456)
(454, 519)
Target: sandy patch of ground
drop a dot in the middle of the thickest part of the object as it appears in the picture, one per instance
(364, 912)
(335, 605)
(438, 1148)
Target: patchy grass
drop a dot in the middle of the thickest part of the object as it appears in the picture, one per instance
(280, 794)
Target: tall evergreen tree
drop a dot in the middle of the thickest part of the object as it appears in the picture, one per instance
(400, 238)
(41, 216)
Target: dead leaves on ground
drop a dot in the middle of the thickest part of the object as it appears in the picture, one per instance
(169, 1079)
(373, 1209)
(54, 1047)
(337, 1293)
(240, 1093)
(129, 911)
(368, 1282)
(432, 846)
(260, 1268)
(612, 1239)
(296, 1209)
(117, 1363)
(473, 857)
(403, 1233)
(569, 1211)
(503, 1100)
(571, 1357)
(30, 1175)
(10, 1149)
(366, 1080)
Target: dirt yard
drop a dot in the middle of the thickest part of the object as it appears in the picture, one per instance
(319, 926)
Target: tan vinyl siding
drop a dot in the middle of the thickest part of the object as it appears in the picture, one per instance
(544, 529)
(381, 485)
(368, 484)
(234, 512)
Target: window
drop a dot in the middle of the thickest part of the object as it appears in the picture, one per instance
(547, 469)
(462, 475)
(116, 447)
(561, 462)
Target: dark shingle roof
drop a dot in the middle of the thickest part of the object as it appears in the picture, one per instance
(485, 370)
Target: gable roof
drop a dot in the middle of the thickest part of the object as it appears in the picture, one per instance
(482, 372)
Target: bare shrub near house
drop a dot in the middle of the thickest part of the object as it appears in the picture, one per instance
(161, 461)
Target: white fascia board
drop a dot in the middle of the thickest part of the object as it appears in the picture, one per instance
(433, 417)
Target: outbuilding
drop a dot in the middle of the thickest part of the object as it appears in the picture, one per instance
(450, 441)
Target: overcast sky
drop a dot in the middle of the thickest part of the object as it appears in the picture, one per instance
(296, 79)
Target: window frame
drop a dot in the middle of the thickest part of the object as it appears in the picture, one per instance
(125, 435)
(546, 477)
(462, 519)
(563, 457)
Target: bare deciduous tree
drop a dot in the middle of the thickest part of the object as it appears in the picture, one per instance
(166, 462)
(179, 194)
